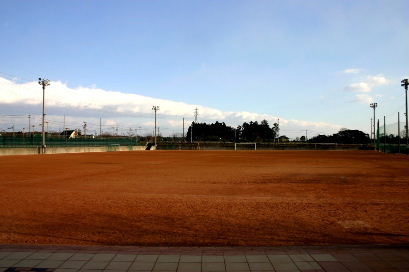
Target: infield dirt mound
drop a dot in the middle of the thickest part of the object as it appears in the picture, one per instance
(184, 198)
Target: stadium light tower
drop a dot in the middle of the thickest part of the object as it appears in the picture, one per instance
(405, 83)
(155, 108)
(43, 82)
(374, 105)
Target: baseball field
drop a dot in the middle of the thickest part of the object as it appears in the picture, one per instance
(199, 198)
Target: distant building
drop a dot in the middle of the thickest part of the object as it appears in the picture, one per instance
(283, 139)
(72, 134)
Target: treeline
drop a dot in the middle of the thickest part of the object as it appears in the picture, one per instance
(345, 136)
(247, 132)
(263, 132)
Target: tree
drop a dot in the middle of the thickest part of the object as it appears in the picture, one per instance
(255, 132)
(210, 132)
(344, 136)
(247, 132)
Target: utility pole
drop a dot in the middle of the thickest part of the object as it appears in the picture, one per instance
(196, 114)
(191, 132)
(43, 82)
(405, 84)
(155, 108)
(100, 126)
(373, 106)
(278, 131)
(306, 135)
(29, 124)
(63, 128)
(46, 124)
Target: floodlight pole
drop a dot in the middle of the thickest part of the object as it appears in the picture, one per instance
(405, 84)
(155, 108)
(373, 106)
(191, 131)
(43, 82)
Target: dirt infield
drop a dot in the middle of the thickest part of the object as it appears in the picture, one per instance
(185, 198)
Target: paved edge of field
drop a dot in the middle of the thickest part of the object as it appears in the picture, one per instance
(204, 259)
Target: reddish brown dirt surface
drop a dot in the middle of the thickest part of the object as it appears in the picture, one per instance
(186, 198)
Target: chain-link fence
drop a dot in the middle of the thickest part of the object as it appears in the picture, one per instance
(35, 140)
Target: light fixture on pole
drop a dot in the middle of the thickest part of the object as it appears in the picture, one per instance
(155, 108)
(374, 105)
(43, 82)
(405, 83)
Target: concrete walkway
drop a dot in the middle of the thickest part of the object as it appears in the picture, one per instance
(204, 259)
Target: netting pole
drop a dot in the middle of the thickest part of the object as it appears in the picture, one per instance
(377, 137)
(373, 106)
(398, 132)
(405, 84)
(371, 129)
(384, 133)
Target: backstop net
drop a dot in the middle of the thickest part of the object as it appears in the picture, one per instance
(391, 138)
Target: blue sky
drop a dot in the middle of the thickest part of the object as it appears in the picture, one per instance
(317, 61)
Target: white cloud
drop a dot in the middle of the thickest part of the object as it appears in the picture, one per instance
(364, 98)
(368, 84)
(352, 71)
(129, 109)
(378, 80)
(362, 87)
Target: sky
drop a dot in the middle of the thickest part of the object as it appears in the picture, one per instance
(315, 65)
